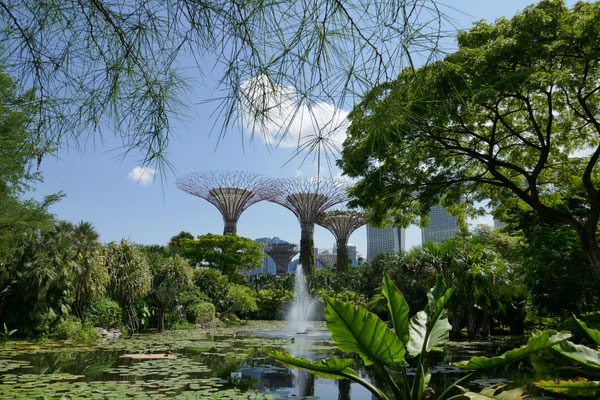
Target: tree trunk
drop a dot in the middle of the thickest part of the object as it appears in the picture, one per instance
(161, 321)
(343, 389)
(307, 249)
(589, 245)
(342, 256)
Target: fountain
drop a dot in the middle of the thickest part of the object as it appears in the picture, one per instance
(299, 316)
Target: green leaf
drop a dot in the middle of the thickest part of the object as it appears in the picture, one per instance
(575, 388)
(579, 353)
(490, 393)
(536, 343)
(331, 367)
(437, 337)
(356, 329)
(398, 308)
(593, 333)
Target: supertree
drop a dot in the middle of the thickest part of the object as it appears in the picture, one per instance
(282, 254)
(327, 259)
(230, 191)
(308, 198)
(342, 223)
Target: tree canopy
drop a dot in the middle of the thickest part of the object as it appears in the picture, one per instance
(120, 63)
(228, 252)
(511, 116)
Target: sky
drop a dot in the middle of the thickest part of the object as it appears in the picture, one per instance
(122, 199)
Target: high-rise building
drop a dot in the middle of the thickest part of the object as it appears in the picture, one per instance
(388, 239)
(441, 225)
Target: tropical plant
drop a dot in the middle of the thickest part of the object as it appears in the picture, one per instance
(272, 304)
(4, 336)
(240, 301)
(584, 355)
(130, 278)
(213, 284)
(354, 329)
(170, 277)
(200, 313)
(105, 313)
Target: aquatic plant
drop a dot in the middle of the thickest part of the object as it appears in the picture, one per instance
(354, 329)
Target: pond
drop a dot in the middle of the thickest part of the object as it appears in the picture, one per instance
(229, 363)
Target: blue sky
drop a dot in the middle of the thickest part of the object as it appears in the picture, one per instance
(104, 189)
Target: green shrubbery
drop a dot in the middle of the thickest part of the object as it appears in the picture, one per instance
(174, 321)
(272, 304)
(200, 313)
(105, 313)
(72, 328)
(240, 301)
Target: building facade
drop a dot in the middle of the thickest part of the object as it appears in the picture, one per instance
(441, 225)
(388, 239)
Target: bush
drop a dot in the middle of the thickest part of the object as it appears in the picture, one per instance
(200, 313)
(72, 328)
(105, 313)
(214, 285)
(272, 304)
(174, 321)
(240, 301)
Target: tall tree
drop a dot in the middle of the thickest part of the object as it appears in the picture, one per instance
(511, 116)
(229, 253)
(117, 61)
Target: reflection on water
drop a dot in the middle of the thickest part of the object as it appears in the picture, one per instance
(230, 364)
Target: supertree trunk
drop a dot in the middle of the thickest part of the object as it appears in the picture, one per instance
(230, 227)
(342, 256)
(307, 248)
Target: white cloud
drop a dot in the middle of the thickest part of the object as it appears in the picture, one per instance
(280, 118)
(142, 175)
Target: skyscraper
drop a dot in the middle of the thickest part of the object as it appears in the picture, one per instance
(441, 225)
(388, 239)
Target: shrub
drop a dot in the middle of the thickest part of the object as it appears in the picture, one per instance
(174, 321)
(272, 304)
(240, 301)
(200, 313)
(214, 285)
(105, 313)
(72, 328)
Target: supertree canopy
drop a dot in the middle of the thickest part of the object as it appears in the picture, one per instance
(327, 259)
(342, 223)
(230, 191)
(282, 254)
(308, 198)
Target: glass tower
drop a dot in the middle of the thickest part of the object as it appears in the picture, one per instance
(441, 225)
(388, 239)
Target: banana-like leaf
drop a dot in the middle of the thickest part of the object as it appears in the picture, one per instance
(438, 336)
(593, 333)
(576, 388)
(536, 343)
(489, 393)
(398, 308)
(579, 353)
(434, 294)
(331, 367)
(356, 329)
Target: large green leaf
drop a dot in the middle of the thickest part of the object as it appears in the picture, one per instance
(432, 318)
(489, 393)
(332, 367)
(398, 308)
(437, 337)
(576, 388)
(536, 343)
(593, 333)
(356, 329)
(579, 353)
